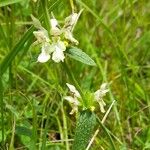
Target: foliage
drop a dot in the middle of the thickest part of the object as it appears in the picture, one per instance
(113, 35)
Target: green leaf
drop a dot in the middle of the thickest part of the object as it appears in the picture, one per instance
(85, 125)
(21, 130)
(9, 2)
(79, 55)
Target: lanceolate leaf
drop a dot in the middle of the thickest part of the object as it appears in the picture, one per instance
(85, 125)
(79, 55)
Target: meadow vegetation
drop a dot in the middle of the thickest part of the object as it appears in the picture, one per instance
(33, 111)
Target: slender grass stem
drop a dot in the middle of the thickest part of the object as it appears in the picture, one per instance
(2, 108)
(65, 128)
(107, 133)
(34, 128)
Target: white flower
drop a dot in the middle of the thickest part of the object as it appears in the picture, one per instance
(67, 30)
(55, 31)
(74, 102)
(73, 90)
(99, 94)
(98, 97)
(58, 54)
(54, 46)
(54, 23)
(44, 56)
(56, 49)
(73, 99)
(41, 36)
(71, 20)
(69, 36)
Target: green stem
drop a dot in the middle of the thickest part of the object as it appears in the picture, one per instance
(65, 128)
(2, 107)
(107, 133)
(43, 146)
(34, 129)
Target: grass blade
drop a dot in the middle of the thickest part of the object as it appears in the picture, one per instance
(9, 2)
(2, 108)
(107, 133)
(20, 46)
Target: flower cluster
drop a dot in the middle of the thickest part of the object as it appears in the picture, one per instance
(75, 98)
(54, 44)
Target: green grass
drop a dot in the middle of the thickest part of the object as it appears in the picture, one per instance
(116, 35)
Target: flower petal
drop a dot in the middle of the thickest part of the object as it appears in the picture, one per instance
(42, 36)
(101, 106)
(55, 31)
(104, 86)
(74, 103)
(48, 48)
(58, 54)
(73, 90)
(74, 109)
(53, 22)
(101, 92)
(43, 57)
(72, 100)
(71, 20)
(61, 45)
(68, 35)
(36, 22)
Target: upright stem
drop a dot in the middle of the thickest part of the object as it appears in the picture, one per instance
(2, 107)
(34, 129)
(65, 129)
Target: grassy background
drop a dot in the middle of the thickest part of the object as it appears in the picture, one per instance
(115, 34)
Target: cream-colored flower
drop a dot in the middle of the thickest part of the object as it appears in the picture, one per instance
(69, 36)
(41, 36)
(73, 90)
(71, 20)
(99, 94)
(46, 50)
(73, 99)
(43, 57)
(58, 54)
(74, 102)
(54, 45)
(55, 31)
(67, 30)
